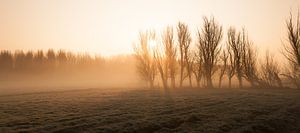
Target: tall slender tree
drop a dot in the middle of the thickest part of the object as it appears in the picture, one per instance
(292, 49)
(230, 71)
(198, 66)
(162, 67)
(236, 51)
(170, 53)
(145, 58)
(223, 66)
(209, 44)
(249, 61)
(184, 40)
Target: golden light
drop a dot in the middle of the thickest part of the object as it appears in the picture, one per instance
(152, 44)
(104, 27)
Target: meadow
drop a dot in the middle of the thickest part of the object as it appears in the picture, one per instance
(152, 110)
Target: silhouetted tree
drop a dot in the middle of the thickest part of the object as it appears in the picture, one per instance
(170, 54)
(292, 49)
(249, 61)
(236, 52)
(145, 58)
(162, 66)
(223, 66)
(208, 43)
(230, 71)
(184, 40)
(270, 72)
(198, 66)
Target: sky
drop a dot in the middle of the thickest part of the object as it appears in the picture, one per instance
(109, 27)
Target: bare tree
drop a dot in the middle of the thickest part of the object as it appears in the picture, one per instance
(270, 72)
(145, 58)
(223, 66)
(197, 66)
(230, 71)
(208, 42)
(162, 67)
(184, 40)
(292, 49)
(236, 49)
(170, 53)
(249, 61)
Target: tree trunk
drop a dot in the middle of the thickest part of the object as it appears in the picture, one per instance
(220, 81)
(240, 82)
(173, 81)
(165, 83)
(181, 76)
(280, 83)
(229, 80)
(252, 83)
(151, 84)
(198, 83)
(209, 81)
(190, 79)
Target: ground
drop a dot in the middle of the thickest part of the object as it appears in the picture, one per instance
(152, 110)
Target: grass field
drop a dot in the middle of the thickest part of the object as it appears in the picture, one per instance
(146, 110)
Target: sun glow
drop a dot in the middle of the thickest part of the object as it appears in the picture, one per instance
(152, 44)
(108, 27)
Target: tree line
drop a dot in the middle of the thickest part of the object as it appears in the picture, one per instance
(60, 68)
(40, 61)
(204, 59)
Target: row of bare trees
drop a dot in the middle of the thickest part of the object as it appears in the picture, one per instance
(176, 57)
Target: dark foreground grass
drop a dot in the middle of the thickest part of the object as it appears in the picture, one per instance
(143, 111)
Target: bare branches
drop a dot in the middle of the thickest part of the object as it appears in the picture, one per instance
(238, 57)
(184, 40)
(165, 58)
(292, 49)
(170, 53)
(145, 64)
(198, 66)
(236, 51)
(223, 66)
(249, 61)
(231, 66)
(208, 43)
(162, 67)
(270, 72)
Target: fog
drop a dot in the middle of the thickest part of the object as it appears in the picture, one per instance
(39, 71)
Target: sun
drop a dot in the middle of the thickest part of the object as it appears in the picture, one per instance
(152, 43)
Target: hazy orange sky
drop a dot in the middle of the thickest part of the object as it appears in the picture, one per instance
(109, 27)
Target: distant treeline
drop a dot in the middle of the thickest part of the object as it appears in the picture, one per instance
(50, 67)
(40, 61)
